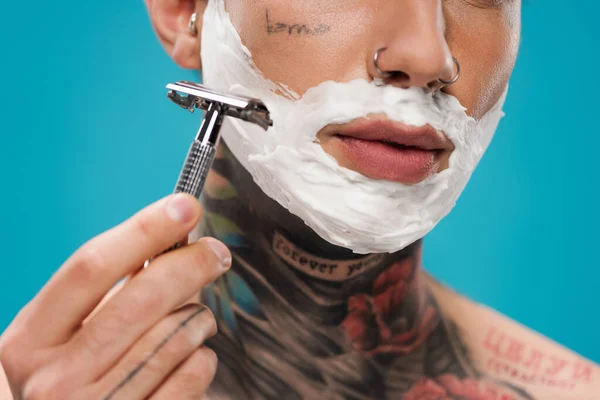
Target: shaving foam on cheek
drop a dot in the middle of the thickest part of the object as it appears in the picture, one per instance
(342, 206)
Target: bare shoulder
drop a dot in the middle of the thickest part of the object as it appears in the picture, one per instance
(5, 393)
(509, 351)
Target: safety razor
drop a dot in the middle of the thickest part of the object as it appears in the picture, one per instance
(201, 154)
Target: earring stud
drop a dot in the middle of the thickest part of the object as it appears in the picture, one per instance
(192, 24)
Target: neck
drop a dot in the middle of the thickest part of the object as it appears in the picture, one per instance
(291, 290)
(240, 214)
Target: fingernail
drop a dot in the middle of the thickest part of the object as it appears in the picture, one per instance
(180, 208)
(221, 251)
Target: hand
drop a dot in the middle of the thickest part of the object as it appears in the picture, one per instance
(143, 342)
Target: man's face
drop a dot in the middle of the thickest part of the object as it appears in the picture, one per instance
(400, 158)
(304, 43)
(301, 44)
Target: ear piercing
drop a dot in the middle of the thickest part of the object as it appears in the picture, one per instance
(192, 24)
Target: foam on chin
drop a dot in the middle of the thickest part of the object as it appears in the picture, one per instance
(342, 206)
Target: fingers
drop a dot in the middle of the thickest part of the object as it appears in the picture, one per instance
(191, 379)
(156, 355)
(80, 284)
(168, 282)
(105, 299)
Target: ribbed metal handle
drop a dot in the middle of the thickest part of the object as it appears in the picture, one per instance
(197, 165)
(193, 174)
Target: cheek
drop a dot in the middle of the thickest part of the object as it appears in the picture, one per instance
(300, 47)
(486, 44)
(302, 44)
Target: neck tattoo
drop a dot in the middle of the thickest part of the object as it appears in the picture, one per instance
(300, 316)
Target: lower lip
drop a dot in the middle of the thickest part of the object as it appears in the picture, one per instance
(378, 160)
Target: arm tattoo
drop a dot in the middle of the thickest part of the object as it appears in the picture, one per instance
(145, 361)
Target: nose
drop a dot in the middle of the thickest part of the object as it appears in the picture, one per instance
(413, 50)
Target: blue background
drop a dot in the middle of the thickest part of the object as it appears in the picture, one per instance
(89, 137)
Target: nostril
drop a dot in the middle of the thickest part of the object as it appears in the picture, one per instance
(397, 77)
(400, 76)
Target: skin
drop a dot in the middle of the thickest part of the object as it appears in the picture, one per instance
(78, 339)
(390, 331)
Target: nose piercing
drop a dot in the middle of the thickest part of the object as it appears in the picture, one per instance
(192, 24)
(383, 74)
(451, 81)
(387, 74)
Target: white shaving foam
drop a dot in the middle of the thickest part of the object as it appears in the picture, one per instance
(342, 206)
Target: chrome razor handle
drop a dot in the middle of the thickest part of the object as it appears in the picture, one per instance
(194, 172)
(197, 165)
(200, 156)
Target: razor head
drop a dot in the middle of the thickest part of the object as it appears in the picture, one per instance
(199, 96)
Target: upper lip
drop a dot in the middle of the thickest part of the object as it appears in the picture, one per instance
(424, 137)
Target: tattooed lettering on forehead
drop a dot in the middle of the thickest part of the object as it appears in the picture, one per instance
(296, 29)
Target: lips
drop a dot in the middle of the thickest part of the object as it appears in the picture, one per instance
(388, 150)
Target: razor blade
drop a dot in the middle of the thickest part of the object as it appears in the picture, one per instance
(190, 95)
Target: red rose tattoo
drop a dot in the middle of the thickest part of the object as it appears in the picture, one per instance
(374, 325)
(449, 387)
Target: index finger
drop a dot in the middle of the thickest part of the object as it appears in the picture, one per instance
(81, 283)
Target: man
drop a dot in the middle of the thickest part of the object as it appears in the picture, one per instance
(323, 295)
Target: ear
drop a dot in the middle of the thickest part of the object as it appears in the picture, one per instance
(170, 19)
